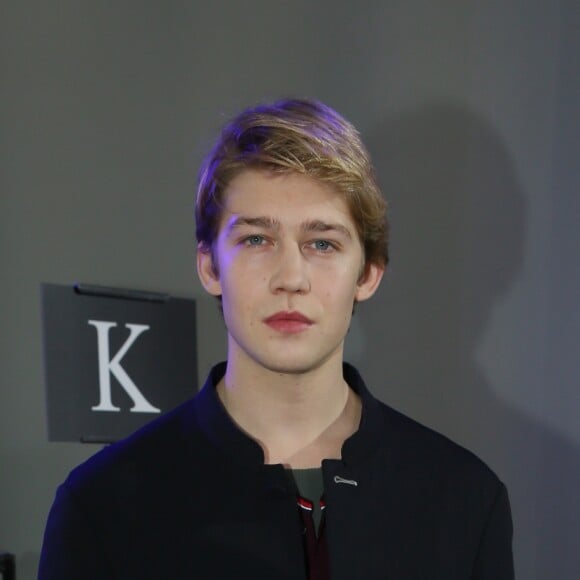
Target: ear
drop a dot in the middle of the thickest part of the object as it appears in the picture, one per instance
(208, 276)
(369, 281)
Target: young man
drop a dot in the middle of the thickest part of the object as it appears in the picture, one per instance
(284, 466)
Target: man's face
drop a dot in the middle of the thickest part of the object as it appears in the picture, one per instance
(289, 270)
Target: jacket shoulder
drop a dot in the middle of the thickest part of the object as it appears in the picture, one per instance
(158, 446)
(427, 449)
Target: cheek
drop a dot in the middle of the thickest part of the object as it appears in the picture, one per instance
(241, 290)
(338, 286)
(338, 303)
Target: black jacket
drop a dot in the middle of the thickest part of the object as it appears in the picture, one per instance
(188, 497)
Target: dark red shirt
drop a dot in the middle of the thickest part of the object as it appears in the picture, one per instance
(314, 543)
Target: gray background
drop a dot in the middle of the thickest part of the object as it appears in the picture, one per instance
(470, 110)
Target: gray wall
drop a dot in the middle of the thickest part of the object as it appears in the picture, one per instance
(471, 112)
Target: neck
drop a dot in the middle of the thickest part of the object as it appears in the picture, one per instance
(298, 418)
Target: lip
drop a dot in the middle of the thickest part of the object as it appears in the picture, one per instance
(288, 322)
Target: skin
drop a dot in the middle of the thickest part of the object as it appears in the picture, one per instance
(288, 244)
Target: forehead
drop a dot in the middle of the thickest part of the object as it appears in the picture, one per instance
(288, 198)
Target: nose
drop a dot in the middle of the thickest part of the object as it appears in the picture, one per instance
(290, 271)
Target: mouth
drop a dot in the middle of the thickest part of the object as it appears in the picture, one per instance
(289, 322)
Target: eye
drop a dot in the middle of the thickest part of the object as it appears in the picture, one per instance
(322, 245)
(254, 240)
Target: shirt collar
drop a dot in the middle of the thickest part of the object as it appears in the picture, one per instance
(220, 429)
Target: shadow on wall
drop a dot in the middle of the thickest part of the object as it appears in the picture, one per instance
(458, 225)
(27, 566)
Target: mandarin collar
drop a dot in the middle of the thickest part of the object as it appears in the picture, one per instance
(220, 429)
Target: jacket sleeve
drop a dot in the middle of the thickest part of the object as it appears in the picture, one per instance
(71, 549)
(494, 559)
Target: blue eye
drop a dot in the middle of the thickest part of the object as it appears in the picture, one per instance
(254, 240)
(322, 245)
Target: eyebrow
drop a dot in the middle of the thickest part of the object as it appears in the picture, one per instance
(270, 223)
(320, 226)
(264, 222)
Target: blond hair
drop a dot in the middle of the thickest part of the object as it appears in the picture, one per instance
(302, 136)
